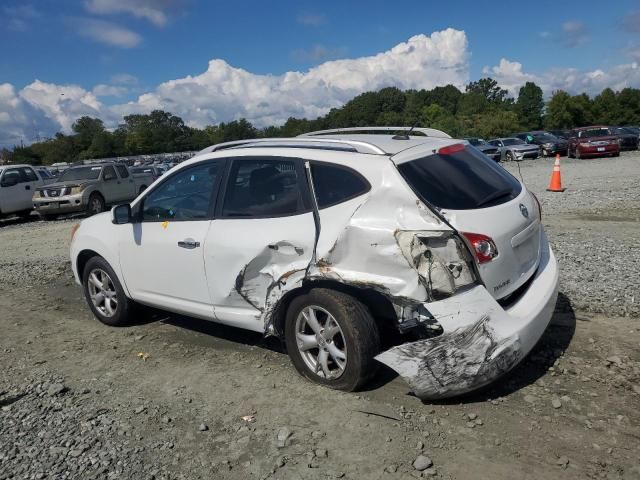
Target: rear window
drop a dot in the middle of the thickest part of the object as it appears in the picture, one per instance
(334, 184)
(460, 178)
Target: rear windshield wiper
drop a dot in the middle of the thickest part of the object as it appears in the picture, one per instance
(495, 196)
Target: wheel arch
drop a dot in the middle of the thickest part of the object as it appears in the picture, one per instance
(380, 307)
(83, 258)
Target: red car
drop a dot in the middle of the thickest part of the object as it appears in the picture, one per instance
(593, 141)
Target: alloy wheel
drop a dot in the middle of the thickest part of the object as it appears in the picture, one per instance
(321, 342)
(102, 292)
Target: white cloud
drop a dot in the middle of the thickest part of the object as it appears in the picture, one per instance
(574, 33)
(105, 32)
(511, 76)
(155, 11)
(104, 90)
(124, 79)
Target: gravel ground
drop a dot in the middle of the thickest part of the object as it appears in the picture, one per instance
(594, 227)
(178, 398)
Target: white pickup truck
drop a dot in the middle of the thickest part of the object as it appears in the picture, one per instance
(90, 189)
(17, 184)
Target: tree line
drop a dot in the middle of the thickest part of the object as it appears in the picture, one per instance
(483, 110)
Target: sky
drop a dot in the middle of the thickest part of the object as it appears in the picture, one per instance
(211, 61)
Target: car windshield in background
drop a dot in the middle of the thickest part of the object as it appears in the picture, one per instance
(595, 132)
(545, 137)
(475, 141)
(513, 141)
(460, 178)
(81, 173)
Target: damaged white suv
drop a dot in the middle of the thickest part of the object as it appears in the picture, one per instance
(354, 246)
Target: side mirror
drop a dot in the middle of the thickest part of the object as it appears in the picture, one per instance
(9, 180)
(121, 214)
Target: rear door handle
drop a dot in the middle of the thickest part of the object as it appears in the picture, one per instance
(189, 244)
(27, 187)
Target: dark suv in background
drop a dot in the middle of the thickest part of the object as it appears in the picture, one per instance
(628, 138)
(594, 141)
(549, 144)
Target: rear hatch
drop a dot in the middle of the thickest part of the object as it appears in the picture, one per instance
(480, 199)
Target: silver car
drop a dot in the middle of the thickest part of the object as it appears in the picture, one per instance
(515, 149)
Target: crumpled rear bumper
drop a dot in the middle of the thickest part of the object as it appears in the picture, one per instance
(481, 341)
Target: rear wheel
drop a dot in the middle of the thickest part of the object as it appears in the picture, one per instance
(96, 204)
(331, 339)
(104, 293)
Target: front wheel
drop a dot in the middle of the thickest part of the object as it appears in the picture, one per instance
(96, 204)
(508, 157)
(331, 339)
(104, 293)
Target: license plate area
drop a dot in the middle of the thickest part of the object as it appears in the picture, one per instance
(601, 149)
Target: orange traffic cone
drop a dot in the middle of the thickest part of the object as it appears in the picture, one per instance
(555, 185)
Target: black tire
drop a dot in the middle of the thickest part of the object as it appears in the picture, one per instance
(142, 189)
(25, 215)
(508, 157)
(122, 313)
(49, 217)
(617, 154)
(359, 333)
(96, 204)
(569, 155)
(578, 154)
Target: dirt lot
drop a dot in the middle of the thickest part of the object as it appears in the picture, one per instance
(78, 400)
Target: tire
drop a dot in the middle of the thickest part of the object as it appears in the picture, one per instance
(142, 189)
(617, 154)
(49, 217)
(508, 157)
(357, 338)
(578, 154)
(569, 153)
(25, 215)
(96, 204)
(99, 278)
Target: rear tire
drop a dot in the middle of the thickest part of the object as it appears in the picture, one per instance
(104, 293)
(346, 341)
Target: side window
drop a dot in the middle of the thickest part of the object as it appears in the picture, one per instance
(333, 184)
(109, 173)
(262, 188)
(186, 195)
(122, 170)
(11, 177)
(28, 175)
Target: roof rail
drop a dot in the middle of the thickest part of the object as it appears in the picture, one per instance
(297, 142)
(427, 132)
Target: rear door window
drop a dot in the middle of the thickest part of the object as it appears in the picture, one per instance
(122, 170)
(334, 184)
(459, 178)
(270, 187)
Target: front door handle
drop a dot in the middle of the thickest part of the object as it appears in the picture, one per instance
(189, 244)
(27, 187)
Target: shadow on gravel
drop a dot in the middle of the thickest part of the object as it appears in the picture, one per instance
(552, 345)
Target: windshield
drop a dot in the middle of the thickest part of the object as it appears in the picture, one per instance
(476, 141)
(545, 137)
(460, 178)
(81, 173)
(595, 132)
(513, 141)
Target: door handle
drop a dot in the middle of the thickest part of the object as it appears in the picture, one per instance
(188, 243)
(27, 187)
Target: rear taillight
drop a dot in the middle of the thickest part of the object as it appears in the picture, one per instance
(539, 206)
(483, 247)
(451, 149)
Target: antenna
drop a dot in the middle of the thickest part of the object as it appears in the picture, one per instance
(405, 135)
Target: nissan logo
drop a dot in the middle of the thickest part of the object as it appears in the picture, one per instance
(524, 211)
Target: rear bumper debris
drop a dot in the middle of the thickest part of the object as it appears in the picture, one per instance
(481, 341)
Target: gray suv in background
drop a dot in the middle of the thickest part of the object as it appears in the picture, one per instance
(549, 144)
(489, 150)
(512, 148)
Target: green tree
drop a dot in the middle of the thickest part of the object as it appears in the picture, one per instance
(558, 113)
(489, 89)
(530, 106)
(85, 129)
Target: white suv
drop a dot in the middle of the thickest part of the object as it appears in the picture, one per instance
(354, 246)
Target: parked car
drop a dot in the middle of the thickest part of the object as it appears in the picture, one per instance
(45, 175)
(592, 142)
(17, 184)
(90, 189)
(515, 149)
(561, 133)
(154, 171)
(548, 143)
(489, 150)
(627, 138)
(421, 235)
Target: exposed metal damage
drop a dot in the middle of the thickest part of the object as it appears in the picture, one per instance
(454, 362)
